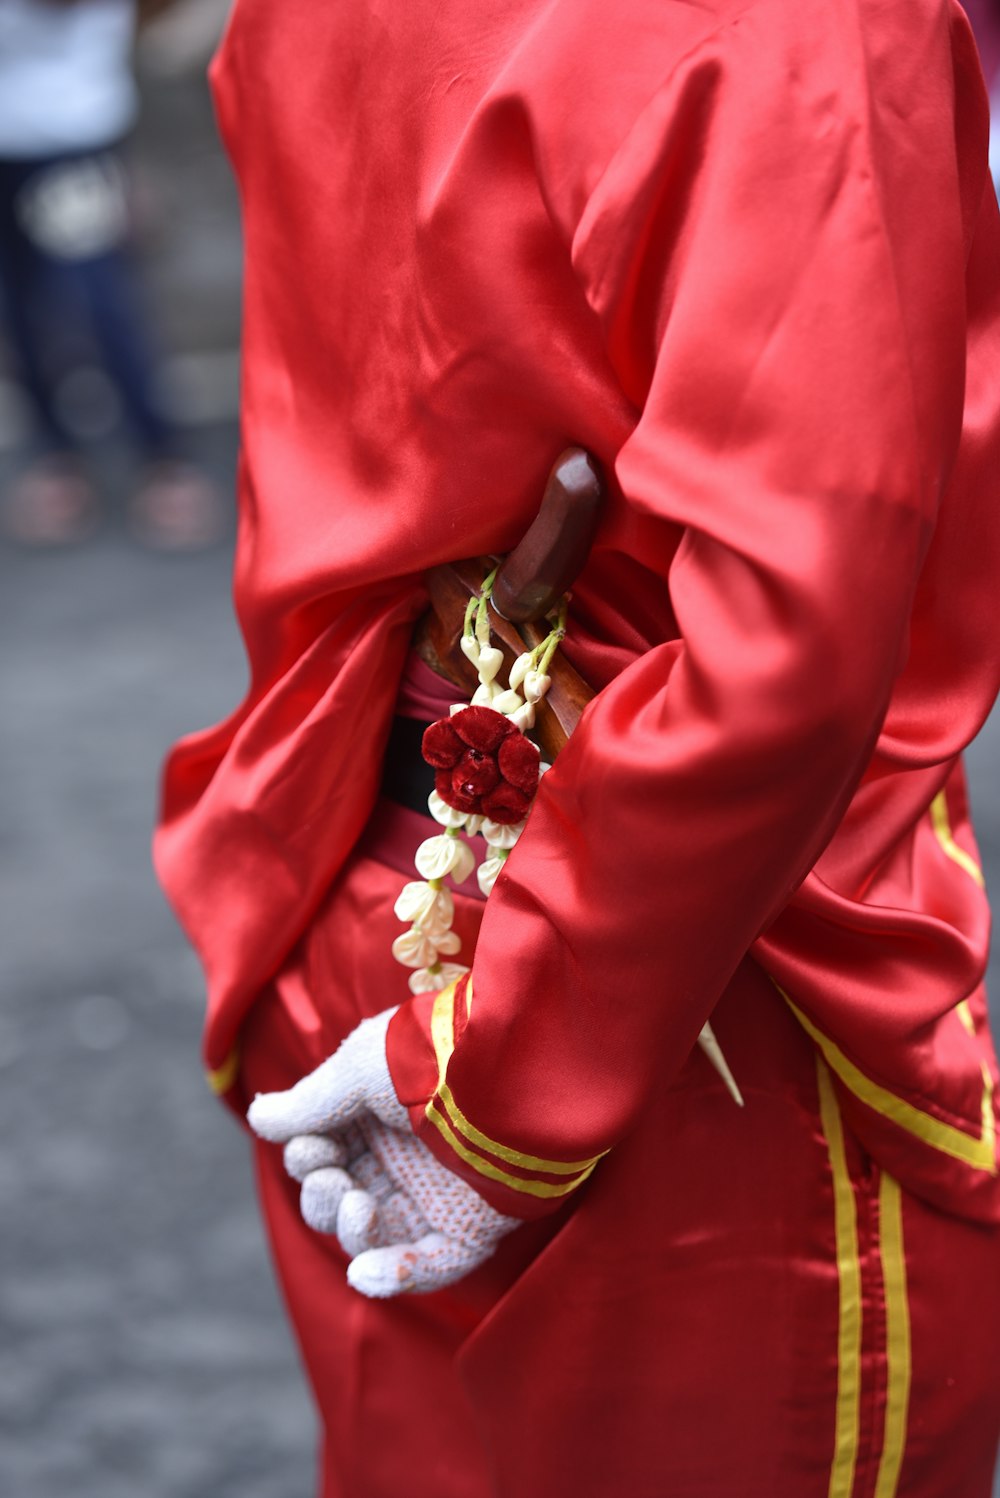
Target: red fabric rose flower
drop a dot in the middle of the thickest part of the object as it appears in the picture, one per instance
(485, 766)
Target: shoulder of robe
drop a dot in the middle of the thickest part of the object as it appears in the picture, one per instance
(587, 72)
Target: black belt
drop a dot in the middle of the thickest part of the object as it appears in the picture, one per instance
(407, 778)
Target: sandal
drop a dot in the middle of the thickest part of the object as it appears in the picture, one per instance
(176, 508)
(50, 503)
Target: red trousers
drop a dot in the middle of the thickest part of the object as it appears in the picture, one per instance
(739, 1304)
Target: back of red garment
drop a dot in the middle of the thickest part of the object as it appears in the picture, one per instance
(746, 253)
(694, 239)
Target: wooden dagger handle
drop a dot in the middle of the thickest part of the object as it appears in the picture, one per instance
(540, 569)
(549, 558)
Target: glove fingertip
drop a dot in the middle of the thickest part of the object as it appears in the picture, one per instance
(381, 1273)
(320, 1198)
(358, 1223)
(265, 1116)
(305, 1153)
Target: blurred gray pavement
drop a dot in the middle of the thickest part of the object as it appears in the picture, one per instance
(143, 1351)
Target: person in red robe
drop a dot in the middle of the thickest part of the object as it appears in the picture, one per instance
(747, 255)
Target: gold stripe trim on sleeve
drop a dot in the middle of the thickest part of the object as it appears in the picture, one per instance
(847, 1417)
(545, 1189)
(942, 828)
(225, 1075)
(442, 1026)
(979, 1153)
(897, 1318)
(461, 1125)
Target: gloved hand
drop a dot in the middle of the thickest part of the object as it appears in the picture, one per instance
(406, 1222)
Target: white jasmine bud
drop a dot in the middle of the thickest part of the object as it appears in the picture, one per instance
(464, 864)
(490, 661)
(430, 909)
(536, 684)
(520, 668)
(444, 854)
(437, 976)
(488, 870)
(413, 949)
(507, 702)
(447, 815)
(501, 834)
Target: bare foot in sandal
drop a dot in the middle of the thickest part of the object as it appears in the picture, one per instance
(50, 503)
(176, 508)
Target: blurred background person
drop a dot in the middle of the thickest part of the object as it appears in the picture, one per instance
(71, 297)
(131, 1249)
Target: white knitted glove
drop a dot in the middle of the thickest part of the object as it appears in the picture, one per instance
(406, 1222)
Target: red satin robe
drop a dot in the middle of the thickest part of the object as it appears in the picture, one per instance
(747, 255)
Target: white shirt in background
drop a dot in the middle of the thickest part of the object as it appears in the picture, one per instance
(65, 76)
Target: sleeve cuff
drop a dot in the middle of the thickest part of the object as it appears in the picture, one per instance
(419, 1044)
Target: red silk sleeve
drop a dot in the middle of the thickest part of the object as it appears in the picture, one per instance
(788, 318)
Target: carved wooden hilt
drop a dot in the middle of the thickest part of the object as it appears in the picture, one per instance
(528, 586)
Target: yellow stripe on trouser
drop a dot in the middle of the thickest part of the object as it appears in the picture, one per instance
(942, 830)
(979, 1153)
(897, 1314)
(941, 823)
(845, 1451)
(897, 1320)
